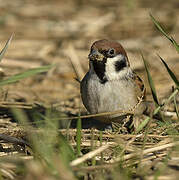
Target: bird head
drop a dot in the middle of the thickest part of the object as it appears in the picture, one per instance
(108, 59)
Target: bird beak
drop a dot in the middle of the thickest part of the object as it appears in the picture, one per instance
(96, 56)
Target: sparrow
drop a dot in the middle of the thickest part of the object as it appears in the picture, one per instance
(110, 84)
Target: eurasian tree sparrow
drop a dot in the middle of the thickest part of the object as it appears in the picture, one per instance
(110, 84)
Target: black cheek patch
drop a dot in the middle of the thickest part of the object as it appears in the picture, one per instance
(119, 65)
(99, 68)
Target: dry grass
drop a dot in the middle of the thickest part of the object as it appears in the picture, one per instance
(60, 33)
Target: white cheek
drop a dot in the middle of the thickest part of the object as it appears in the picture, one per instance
(110, 71)
(110, 64)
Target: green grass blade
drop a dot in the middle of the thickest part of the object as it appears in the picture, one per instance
(78, 137)
(176, 107)
(5, 48)
(172, 75)
(66, 153)
(160, 28)
(101, 143)
(25, 74)
(175, 44)
(142, 125)
(20, 115)
(93, 160)
(151, 84)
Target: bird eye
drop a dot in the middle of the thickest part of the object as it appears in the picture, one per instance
(111, 52)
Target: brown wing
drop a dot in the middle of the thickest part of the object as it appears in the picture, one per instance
(140, 93)
(140, 89)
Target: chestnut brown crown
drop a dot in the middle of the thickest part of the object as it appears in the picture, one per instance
(105, 45)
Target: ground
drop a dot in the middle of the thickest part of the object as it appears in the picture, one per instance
(61, 33)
